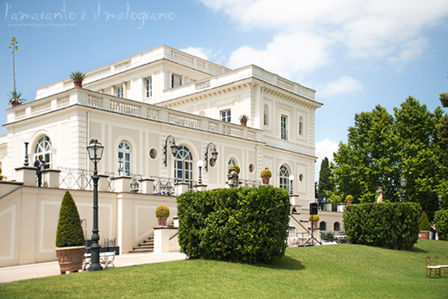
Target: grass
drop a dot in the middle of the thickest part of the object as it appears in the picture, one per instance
(344, 271)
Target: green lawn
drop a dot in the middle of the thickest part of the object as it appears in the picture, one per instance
(314, 272)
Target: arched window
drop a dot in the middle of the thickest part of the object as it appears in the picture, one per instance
(232, 161)
(124, 158)
(43, 147)
(323, 226)
(301, 125)
(337, 226)
(183, 165)
(284, 177)
(266, 115)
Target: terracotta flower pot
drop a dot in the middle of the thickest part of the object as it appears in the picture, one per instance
(349, 202)
(423, 235)
(70, 258)
(77, 82)
(266, 180)
(162, 221)
(243, 123)
(315, 224)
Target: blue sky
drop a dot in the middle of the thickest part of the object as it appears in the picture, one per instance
(355, 54)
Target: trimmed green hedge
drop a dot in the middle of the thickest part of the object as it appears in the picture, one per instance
(69, 231)
(441, 223)
(388, 225)
(239, 224)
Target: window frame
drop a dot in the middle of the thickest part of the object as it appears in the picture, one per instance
(284, 126)
(284, 177)
(148, 87)
(125, 149)
(173, 82)
(226, 115)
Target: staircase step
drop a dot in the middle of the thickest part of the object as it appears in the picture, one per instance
(145, 246)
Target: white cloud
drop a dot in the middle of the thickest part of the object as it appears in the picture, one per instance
(324, 148)
(343, 85)
(197, 51)
(366, 29)
(287, 54)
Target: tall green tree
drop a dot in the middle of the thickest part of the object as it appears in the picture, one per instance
(384, 148)
(325, 184)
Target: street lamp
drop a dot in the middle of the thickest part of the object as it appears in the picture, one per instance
(174, 148)
(291, 180)
(95, 150)
(403, 183)
(440, 201)
(214, 155)
(200, 165)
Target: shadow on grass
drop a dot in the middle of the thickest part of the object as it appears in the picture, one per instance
(284, 263)
(416, 249)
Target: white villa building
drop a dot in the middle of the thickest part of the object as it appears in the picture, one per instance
(138, 109)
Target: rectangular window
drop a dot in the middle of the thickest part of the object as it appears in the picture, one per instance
(148, 87)
(226, 115)
(176, 80)
(119, 91)
(284, 127)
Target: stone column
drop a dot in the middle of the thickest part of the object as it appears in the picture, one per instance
(27, 175)
(122, 184)
(147, 185)
(200, 187)
(50, 178)
(180, 188)
(102, 183)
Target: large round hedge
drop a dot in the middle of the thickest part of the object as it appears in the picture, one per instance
(238, 224)
(389, 225)
(69, 232)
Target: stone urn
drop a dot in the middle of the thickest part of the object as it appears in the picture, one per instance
(265, 180)
(162, 221)
(70, 258)
(423, 235)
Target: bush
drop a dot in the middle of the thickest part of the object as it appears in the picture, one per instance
(265, 173)
(329, 237)
(389, 225)
(238, 224)
(233, 167)
(69, 231)
(314, 218)
(162, 211)
(441, 222)
(424, 222)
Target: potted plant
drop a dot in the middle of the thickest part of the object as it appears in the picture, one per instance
(243, 119)
(349, 199)
(15, 98)
(314, 219)
(424, 227)
(77, 78)
(233, 167)
(265, 175)
(162, 213)
(70, 240)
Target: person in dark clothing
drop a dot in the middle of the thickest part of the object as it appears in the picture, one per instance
(40, 166)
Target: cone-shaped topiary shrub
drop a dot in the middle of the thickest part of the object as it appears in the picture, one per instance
(69, 232)
(424, 222)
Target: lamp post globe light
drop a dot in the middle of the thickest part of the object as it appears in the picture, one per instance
(403, 183)
(440, 201)
(95, 150)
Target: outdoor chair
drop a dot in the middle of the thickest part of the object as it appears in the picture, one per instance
(430, 268)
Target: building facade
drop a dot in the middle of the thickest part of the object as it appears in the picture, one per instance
(165, 118)
(133, 105)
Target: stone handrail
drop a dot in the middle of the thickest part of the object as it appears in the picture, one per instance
(80, 96)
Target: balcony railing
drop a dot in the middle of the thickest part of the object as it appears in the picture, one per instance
(79, 96)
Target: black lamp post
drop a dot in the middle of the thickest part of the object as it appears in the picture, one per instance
(95, 150)
(440, 201)
(403, 183)
(291, 181)
(200, 164)
(25, 162)
(174, 148)
(214, 155)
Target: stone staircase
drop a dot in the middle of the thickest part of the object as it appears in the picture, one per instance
(144, 247)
